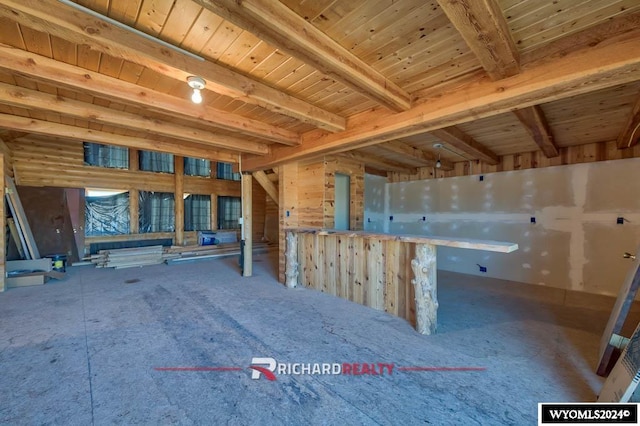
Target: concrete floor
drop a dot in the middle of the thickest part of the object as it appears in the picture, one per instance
(85, 351)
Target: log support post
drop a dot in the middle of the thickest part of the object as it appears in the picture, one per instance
(425, 285)
(291, 254)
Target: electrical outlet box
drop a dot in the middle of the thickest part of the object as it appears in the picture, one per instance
(620, 220)
(481, 178)
(391, 218)
(533, 219)
(482, 268)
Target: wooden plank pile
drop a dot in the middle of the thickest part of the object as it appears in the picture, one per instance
(153, 255)
(177, 254)
(128, 258)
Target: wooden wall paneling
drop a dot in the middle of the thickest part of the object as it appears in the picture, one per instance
(330, 258)
(288, 216)
(311, 192)
(342, 267)
(391, 281)
(358, 265)
(377, 274)
(575, 154)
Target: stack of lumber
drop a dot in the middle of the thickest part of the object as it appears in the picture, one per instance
(128, 258)
(177, 254)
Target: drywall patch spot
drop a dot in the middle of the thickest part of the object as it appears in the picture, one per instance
(544, 253)
(526, 249)
(545, 272)
(526, 266)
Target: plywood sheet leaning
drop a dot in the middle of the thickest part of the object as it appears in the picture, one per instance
(17, 211)
(626, 295)
(625, 375)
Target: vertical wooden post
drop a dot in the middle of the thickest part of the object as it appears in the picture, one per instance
(134, 194)
(3, 226)
(424, 282)
(178, 170)
(214, 211)
(247, 230)
(288, 209)
(291, 254)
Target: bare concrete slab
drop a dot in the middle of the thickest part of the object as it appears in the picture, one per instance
(87, 350)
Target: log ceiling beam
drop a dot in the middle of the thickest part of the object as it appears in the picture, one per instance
(467, 144)
(535, 123)
(378, 162)
(557, 77)
(34, 100)
(484, 29)
(96, 84)
(41, 127)
(63, 21)
(270, 188)
(426, 159)
(281, 27)
(630, 134)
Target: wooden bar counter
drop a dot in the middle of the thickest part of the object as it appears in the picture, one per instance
(394, 273)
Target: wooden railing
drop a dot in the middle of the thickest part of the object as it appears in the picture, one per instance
(393, 273)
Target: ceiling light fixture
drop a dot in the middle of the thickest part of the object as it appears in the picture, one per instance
(197, 84)
(438, 146)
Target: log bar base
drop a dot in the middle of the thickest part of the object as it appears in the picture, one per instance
(391, 273)
(425, 285)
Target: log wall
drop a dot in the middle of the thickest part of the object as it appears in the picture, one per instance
(588, 153)
(40, 161)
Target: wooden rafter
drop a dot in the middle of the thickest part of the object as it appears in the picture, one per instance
(426, 159)
(41, 127)
(270, 188)
(630, 134)
(32, 99)
(63, 21)
(535, 123)
(484, 29)
(601, 66)
(467, 144)
(378, 162)
(80, 79)
(275, 23)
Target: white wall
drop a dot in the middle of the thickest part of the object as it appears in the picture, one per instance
(574, 244)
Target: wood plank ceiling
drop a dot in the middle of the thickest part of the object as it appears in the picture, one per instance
(377, 80)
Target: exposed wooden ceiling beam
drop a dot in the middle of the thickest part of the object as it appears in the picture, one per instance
(378, 162)
(536, 125)
(63, 21)
(41, 127)
(573, 73)
(484, 28)
(85, 81)
(32, 99)
(426, 159)
(630, 134)
(281, 27)
(270, 188)
(467, 144)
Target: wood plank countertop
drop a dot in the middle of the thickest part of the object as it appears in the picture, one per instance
(466, 243)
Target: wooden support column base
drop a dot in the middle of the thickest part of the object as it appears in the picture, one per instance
(425, 284)
(291, 255)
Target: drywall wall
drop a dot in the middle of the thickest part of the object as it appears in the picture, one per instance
(575, 242)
